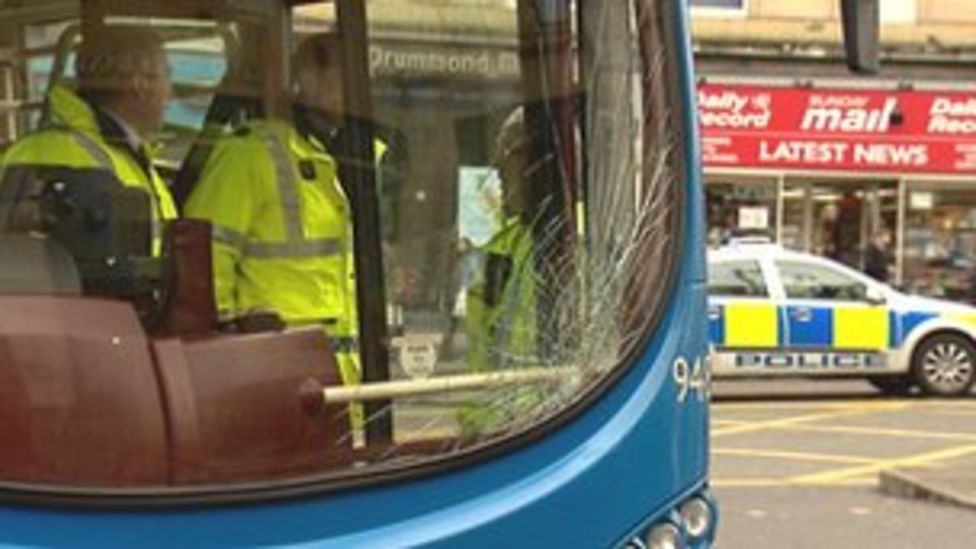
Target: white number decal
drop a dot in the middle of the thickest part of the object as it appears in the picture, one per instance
(691, 378)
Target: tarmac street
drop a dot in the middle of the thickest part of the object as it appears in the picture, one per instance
(797, 464)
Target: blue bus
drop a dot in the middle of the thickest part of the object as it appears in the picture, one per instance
(523, 259)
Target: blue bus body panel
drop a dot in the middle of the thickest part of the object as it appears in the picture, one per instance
(618, 465)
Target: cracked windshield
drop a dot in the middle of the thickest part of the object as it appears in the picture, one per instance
(325, 240)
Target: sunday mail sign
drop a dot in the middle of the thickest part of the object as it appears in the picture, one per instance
(787, 129)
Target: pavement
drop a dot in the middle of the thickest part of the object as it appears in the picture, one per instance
(955, 485)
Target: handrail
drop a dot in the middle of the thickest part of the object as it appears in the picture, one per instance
(315, 396)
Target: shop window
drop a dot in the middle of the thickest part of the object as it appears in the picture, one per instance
(810, 281)
(939, 242)
(736, 279)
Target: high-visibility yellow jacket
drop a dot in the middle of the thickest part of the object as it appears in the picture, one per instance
(282, 229)
(501, 325)
(282, 234)
(74, 139)
(501, 307)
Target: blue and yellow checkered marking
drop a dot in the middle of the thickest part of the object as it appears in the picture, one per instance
(716, 325)
(863, 328)
(839, 327)
(763, 325)
(906, 322)
(750, 325)
(816, 332)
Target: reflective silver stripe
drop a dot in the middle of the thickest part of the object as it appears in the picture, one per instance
(276, 250)
(228, 236)
(296, 246)
(91, 147)
(294, 250)
(156, 227)
(291, 206)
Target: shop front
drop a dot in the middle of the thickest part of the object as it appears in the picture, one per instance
(834, 170)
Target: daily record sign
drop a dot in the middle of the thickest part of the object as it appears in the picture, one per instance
(838, 129)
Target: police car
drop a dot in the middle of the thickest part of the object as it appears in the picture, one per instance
(773, 312)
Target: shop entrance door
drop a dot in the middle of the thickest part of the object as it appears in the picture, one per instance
(836, 219)
(740, 208)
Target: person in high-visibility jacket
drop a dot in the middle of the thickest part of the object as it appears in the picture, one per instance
(282, 227)
(500, 308)
(123, 85)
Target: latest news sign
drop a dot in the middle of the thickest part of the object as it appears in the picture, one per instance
(746, 126)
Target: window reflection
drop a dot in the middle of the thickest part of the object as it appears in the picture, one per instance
(805, 281)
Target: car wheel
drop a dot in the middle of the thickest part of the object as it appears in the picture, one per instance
(892, 385)
(944, 365)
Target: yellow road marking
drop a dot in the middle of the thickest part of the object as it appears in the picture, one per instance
(968, 413)
(954, 404)
(862, 471)
(729, 421)
(718, 407)
(800, 456)
(784, 482)
(882, 431)
(747, 482)
(917, 460)
(808, 418)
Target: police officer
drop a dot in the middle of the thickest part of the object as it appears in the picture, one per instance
(500, 315)
(123, 85)
(282, 230)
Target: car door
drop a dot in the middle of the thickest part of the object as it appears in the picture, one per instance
(742, 317)
(831, 316)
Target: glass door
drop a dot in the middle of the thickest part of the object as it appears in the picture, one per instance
(741, 209)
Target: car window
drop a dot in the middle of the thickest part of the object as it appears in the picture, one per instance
(811, 281)
(736, 279)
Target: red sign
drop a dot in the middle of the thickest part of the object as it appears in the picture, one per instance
(838, 129)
